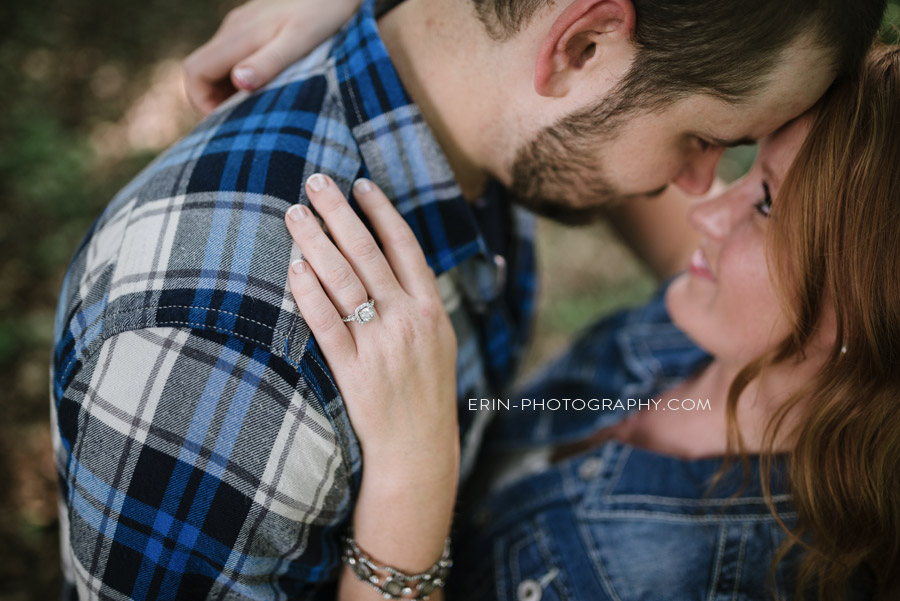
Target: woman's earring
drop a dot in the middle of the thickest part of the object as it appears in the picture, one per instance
(844, 350)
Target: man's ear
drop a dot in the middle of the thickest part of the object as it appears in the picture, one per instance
(578, 40)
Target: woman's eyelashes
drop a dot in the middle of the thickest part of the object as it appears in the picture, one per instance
(764, 206)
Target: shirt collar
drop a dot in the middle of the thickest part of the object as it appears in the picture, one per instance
(400, 152)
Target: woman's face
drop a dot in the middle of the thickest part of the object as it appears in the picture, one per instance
(726, 302)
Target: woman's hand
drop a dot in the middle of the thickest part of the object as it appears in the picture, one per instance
(396, 373)
(256, 42)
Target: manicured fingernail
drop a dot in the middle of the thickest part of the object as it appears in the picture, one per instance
(363, 185)
(299, 266)
(317, 182)
(246, 76)
(298, 212)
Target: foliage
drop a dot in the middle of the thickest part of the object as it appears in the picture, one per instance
(73, 73)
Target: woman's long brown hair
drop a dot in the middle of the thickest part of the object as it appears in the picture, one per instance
(834, 242)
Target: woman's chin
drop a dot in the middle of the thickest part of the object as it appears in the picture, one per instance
(677, 296)
(686, 310)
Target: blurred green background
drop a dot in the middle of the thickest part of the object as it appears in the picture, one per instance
(89, 93)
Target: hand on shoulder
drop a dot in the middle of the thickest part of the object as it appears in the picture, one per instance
(257, 41)
(394, 360)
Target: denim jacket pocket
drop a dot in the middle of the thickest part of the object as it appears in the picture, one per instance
(679, 548)
(529, 564)
(644, 557)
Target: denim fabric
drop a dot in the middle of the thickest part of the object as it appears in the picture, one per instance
(618, 522)
(621, 523)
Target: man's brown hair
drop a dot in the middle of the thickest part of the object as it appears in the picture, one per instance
(723, 48)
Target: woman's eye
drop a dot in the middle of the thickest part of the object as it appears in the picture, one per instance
(764, 206)
(703, 144)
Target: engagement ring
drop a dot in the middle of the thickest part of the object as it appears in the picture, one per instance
(364, 313)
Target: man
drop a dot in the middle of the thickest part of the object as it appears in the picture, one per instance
(203, 447)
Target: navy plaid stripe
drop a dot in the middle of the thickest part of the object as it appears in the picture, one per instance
(203, 448)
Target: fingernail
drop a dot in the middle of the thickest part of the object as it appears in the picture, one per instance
(298, 212)
(299, 266)
(363, 185)
(317, 182)
(246, 76)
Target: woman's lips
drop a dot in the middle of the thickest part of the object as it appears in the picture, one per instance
(700, 266)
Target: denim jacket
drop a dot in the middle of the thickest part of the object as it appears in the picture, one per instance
(617, 522)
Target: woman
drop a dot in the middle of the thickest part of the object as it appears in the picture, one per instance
(795, 296)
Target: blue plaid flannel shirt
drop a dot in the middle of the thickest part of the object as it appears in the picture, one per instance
(202, 446)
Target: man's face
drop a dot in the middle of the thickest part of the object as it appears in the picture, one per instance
(568, 171)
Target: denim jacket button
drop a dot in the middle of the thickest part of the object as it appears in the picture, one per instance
(529, 590)
(590, 468)
(500, 263)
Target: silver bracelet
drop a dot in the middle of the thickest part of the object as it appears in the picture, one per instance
(391, 582)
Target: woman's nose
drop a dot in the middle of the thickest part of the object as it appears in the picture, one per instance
(712, 216)
(698, 175)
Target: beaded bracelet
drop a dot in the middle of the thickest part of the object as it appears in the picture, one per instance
(391, 582)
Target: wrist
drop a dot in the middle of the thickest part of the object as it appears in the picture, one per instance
(396, 462)
(409, 493)
(404, 519)
(387, 580)
(406, 484)
(410, 543)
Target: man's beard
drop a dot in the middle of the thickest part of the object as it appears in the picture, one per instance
(555, 175)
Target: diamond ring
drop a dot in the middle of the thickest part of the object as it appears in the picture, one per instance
(364, 313)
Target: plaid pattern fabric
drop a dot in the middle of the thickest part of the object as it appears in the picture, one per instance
(203, 449)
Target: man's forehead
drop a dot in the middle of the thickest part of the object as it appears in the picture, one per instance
(795, 86)
(799, 81)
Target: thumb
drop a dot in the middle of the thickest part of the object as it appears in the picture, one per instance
(266, 63)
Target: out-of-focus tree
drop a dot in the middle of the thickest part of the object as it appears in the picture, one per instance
(89, 92)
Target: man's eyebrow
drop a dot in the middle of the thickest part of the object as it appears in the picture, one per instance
(732, 143)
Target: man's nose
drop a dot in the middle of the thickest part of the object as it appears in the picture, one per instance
(698, 175)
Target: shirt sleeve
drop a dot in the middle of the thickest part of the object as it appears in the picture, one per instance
(198, 466)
